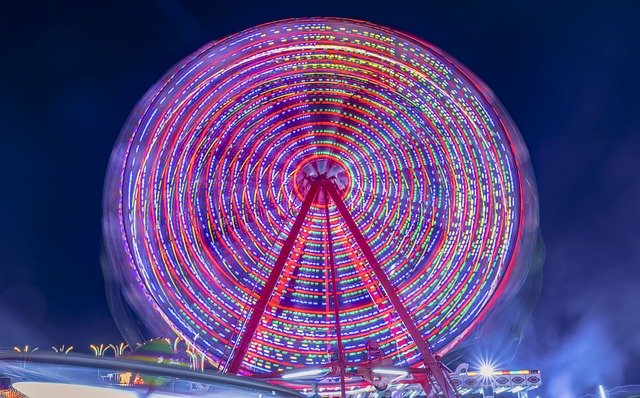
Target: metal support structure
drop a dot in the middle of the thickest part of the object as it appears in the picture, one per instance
(424, 382)
(429, 361)
(433, 366)
(336, 310)
(265, 294)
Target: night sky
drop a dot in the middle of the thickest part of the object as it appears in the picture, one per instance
(568, 74)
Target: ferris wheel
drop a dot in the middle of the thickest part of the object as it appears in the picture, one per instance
(302, 190)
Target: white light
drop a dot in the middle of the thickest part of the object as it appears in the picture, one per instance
(61, 390)
(487, 370)
(601, 390)
(390, 371)
(365, 390)
(297, 374)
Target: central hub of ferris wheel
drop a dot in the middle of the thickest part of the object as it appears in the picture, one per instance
(319, 168)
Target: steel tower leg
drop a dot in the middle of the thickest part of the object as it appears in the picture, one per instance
(265, 294)
(415, 334)
(336, 312)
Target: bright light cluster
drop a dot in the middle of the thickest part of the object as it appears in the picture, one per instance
(212, 168)
(487, 370)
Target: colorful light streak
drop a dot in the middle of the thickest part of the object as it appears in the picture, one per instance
(213, 166)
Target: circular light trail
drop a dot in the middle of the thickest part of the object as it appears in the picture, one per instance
(216, 159)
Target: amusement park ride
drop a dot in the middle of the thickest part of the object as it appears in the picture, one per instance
(325, 204)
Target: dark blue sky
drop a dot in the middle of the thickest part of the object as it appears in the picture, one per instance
(567, 73)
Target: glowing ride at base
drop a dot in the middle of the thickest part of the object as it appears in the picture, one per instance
(311, 185)
(83, 376)
(63, 390)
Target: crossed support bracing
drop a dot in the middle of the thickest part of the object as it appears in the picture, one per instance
(433, 367)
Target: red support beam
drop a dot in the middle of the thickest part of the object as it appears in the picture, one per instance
(424, 382)
(267, 290)
(421, 344)
(336, 308)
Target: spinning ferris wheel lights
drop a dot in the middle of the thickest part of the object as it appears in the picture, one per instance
(311, 185)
